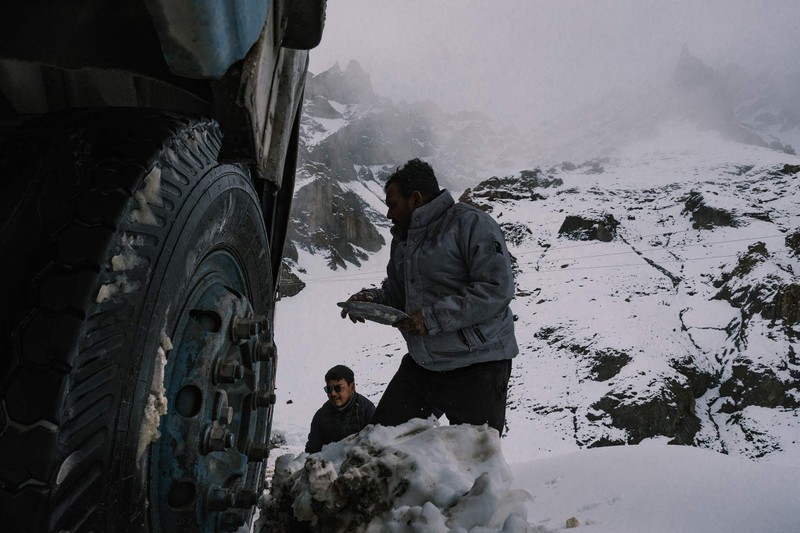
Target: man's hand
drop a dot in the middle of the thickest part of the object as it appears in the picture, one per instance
(413, 325)
(362, 296)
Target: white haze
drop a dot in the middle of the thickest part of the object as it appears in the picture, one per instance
(526, 60)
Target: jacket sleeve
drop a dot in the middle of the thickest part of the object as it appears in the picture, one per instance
(391, 291)
(314, 443)
(491, 281)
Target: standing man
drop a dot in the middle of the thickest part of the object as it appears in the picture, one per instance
(346, 412)
(450, 272)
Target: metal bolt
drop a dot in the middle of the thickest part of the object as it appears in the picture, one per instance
(219, 499)
(265, 351)
(265, 398)
(229, 372)
(218, 439)
(223, 413)
(258, 452)
(244, 328)
(262, 321)
(245, 499)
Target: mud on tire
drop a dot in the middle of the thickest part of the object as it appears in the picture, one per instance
(136, 274)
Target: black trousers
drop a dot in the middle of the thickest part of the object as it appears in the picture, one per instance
(475, 394)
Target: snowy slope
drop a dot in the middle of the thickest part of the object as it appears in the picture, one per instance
(680, 324)
(648, 294)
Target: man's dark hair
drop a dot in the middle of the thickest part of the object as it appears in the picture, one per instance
(416, 175)
(340, 372)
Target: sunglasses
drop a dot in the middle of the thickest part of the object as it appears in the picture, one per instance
(336, 388)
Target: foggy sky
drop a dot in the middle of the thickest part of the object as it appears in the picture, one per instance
(527, 59)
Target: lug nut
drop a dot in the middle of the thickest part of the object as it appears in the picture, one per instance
(244, 328)
(265, 398)
(266, 351)
(229, 372)
(263, 323)
(245, 499)
(219, 499)
(258, 452)
(218, 439)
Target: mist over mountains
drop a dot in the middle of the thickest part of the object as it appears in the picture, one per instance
(350, 134)
(656, 244)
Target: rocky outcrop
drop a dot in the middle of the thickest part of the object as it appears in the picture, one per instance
(670, 413)
(775, 295)
(704, 216)
(767, 295)
(320, 107)
(751, 384)
(289, 283)
(793, 243)
(701, 96)
(524, 186)
(605, 364)
(349, 86)
(601, 227)
(330, 220)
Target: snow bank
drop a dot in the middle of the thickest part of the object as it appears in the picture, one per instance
(418, 477)
(657, 488)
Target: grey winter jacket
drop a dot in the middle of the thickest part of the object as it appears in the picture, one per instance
(454, 266)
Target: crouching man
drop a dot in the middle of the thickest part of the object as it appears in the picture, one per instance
(346, 412)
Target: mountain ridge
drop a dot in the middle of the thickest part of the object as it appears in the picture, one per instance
(657, 286)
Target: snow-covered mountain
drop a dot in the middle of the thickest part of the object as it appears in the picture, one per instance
(656, 245)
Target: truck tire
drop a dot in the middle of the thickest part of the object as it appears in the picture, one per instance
(136, 355)
(305, 21)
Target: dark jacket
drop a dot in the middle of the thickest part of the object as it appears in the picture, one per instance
(455, 268)
(331, 424)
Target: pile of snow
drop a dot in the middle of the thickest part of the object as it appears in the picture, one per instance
(418, 476)
(426, 478)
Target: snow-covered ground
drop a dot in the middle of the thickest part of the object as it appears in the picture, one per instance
(607, 294)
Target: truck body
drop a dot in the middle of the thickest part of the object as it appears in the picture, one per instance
(147, 151)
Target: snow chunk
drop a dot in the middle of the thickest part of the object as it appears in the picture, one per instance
(418, 476)
(156, 401)
(120, 285)
(149, 194)
(127, 258)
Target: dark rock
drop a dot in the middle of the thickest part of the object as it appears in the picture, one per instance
(594, 166)
(670, 413)
(289, 283)
(705, 217)
(793, 242)
(605, 364)
(515, 188)
(349, 86)
(392, 136)
(756, 254)
(700, 381)
(320, 107)
(327, 218)
(770, 297)
(516, 233)
(580, 228)
(751, 384)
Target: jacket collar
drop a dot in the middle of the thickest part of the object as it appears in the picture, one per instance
(429, 212)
